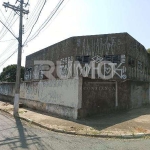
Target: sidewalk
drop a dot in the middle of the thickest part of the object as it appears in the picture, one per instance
(132, 124)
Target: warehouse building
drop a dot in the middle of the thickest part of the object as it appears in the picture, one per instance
(121, 83)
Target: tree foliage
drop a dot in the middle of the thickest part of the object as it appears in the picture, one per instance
(9, 73)
(148, 50)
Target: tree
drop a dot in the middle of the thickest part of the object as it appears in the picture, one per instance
(148, 50)
(9, 73)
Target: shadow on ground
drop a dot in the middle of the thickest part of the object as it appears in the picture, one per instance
(138, 118)
(134, 121)
(122, 120)
(13, 135)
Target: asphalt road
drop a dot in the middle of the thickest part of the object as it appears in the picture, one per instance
(15, 134)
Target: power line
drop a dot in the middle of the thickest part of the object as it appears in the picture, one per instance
(58, 12)
(5, 31)
(45, 22)
(11, 24)
(5, 18)
(8, 49)
(8, 57)
(9, 30)
(33, 15)
(41, 27)
(7, 40)
(10, 18)
(36, 21)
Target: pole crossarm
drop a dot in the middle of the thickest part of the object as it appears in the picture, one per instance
(15, 8)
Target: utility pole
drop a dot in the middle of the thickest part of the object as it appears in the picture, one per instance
(20, 11)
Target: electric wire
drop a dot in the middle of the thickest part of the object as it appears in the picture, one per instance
(58, 12)
(6, 20)
(35, 21)
(33, 15)
(8, 57)
(45, 22)
(10, 17)
(7, 40)
(10, 46)
(8, 49)
(5, 32)
(39, 29)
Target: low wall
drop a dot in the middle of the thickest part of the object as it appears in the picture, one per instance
(78, 98)
(62, 97)
(7, 88)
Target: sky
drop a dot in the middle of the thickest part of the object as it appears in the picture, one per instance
(75, 18)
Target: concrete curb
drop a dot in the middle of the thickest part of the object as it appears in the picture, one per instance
(125, 136)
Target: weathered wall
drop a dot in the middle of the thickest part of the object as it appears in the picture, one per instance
(61, 97)
(70, 49)
(138, 64)
(104, 44)
(69, 112)
(124, 95)
(121, 48)
(139, 93)
(59, 92)
(63, 49)
(7, 89)
(98, 97)
(76, 98)
(101, 96)
(109, 47)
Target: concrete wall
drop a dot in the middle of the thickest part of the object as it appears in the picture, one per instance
(124, 95)
(7, 89)
(62, 97)
(140, 69)
(101, 96)
(69, 49)
(98, 97)
(139, 94)
(132, 57)
(75, 98)
(59, 92)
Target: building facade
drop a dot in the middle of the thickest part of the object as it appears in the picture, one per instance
(127, 88)
(130, 56)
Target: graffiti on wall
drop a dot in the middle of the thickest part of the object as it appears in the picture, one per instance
(106, 66)
(65, 64)
(99, 46)
(112, 63)
(28, 74)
